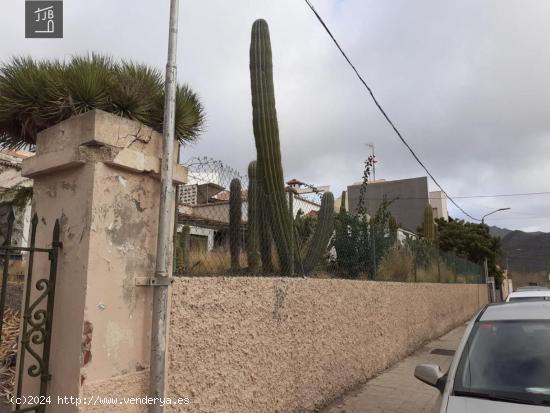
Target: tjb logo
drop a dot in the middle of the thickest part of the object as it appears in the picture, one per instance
(44, 19)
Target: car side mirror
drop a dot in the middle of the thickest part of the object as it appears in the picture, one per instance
(431, 374)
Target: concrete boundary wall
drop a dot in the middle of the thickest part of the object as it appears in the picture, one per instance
(289, 345)
(283, 345)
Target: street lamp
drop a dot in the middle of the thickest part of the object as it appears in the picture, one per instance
(485, 264)
(496, 210)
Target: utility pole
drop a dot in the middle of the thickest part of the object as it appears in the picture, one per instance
(162, 278)
(374, 269)
(292, 240)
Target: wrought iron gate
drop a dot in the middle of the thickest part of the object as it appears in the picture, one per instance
(37, 316)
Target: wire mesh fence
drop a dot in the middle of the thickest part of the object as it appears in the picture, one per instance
(222, 229)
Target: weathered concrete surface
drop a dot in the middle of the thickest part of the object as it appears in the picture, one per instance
(113, 395)
(290, 345)
(396, 390)
(97, 173)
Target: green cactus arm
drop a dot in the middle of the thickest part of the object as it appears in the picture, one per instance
(266, 239)
(343, 202)
(253, 236)
(392, 227)
(323, 232)
(186, 247)
(235, 217)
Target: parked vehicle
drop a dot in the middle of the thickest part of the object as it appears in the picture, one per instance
(528, 295)
(502, 363)
(532, 288)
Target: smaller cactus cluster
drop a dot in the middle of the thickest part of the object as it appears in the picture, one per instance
(258, 235)
(428, 226)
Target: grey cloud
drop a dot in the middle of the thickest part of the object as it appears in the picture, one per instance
(465, 81)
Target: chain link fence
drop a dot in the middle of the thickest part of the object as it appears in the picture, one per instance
(214, 235)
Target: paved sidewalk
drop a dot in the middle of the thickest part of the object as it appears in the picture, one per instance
(396, 390)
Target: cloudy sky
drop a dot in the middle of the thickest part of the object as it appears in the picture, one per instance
(465, 81)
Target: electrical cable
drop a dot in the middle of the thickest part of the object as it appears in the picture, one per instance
(383, 112)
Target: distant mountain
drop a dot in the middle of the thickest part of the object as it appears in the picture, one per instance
(525, 251)
(499, 232)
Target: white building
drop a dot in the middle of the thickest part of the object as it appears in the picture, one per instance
(15, 195)
(438, 201)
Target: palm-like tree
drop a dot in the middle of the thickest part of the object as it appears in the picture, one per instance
(35, 95)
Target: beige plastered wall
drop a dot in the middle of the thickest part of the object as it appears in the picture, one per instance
(98, 174)
(290, 345)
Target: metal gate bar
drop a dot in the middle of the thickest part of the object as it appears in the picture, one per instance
(37, 321)
(11, 218)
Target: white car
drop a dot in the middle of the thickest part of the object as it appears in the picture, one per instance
(528, 295)
(502, 363)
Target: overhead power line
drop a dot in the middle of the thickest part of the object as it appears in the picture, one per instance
(503, 195)
(383, 112)
(463, 196)
(516, 218)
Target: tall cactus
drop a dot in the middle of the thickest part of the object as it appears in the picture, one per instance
(429, 224)
(392, 228)
(266, 135)
(235, 216)
(185, 247)
(323, 231)
(343, 202)
(266, 239)
(252, 247)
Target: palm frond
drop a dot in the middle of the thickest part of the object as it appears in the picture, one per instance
(35, 95)
(135, 90)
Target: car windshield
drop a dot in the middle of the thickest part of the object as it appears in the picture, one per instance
(523, 299)
(506, 360)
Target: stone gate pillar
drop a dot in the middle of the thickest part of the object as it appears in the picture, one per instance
(99, 174)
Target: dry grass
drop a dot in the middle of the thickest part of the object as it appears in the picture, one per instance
(443, 274)
(215, 262)
(8, 352)
(396, 265)
(218, 262)
(17, 270)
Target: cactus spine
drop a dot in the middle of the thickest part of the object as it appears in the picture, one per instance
(266, 135)
(323, 231)
(235, 216)
(253, 235)
(429, 225)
